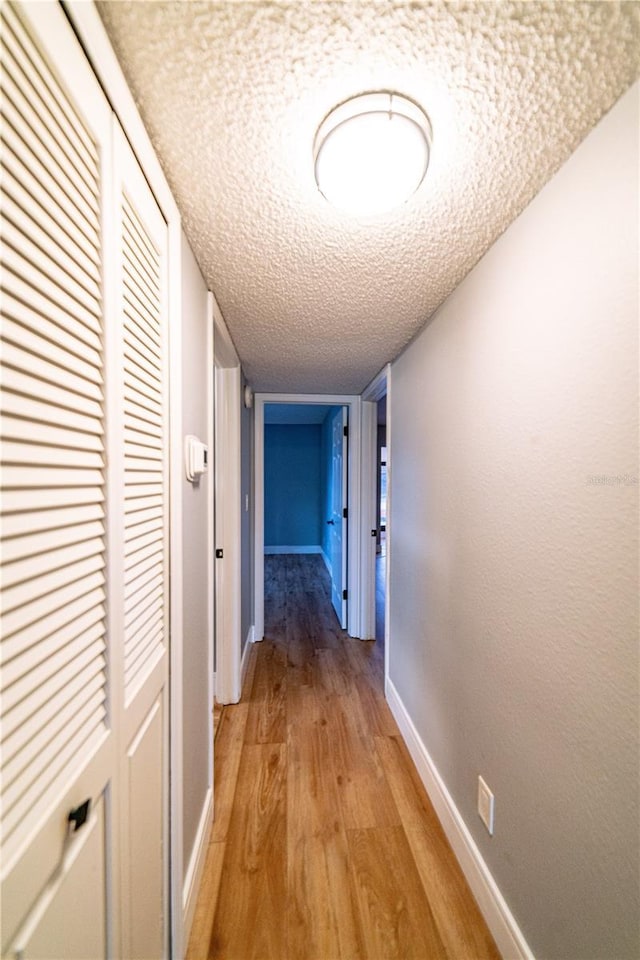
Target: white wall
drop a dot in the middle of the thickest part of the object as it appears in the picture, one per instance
(514, 577)
(197, 720)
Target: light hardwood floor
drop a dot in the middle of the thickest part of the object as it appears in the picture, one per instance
(325, 845)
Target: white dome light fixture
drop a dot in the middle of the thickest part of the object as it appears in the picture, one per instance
(371, 153)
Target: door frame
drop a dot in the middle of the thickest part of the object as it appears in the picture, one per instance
(344, 493)
(378, 388)
(224, 576)
(354, 523)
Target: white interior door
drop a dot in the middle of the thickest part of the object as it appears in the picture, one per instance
(59, 747)
(139, 527)
(337, 520)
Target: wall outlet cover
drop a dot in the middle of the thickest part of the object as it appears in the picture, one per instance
(486, 803)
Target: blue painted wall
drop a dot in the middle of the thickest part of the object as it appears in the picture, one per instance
(293, 480)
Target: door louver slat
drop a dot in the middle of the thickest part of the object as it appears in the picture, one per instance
(18, 381)
(48, 237)
(60, 558)
(37, 521)
(49, 293)
(138, 238)
(23, 453)
(30, 309)
(136, 507)
(50, 654)
(24, 247)
(47, 372)
(43, 181)
(22, 718)
(139, 530)
(138, 406)
(144, 657)
(140, 276)
(138, 613)
(137, 339)
(17, 548)
(47, 214)
(43, 630)
(139, 545)
(31, 431)
(43, 80)
(16, 771)
(35, 135)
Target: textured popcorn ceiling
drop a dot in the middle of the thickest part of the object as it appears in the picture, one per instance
(232, 94)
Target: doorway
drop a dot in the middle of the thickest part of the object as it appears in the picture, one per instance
(225, 522)
(376, 499)
(266, 409)
(305, 488)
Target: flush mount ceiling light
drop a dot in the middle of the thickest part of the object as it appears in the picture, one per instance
(371, 153)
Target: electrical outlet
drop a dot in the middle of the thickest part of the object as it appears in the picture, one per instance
(485, 805)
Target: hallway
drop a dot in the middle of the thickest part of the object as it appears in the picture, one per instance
(324, 843)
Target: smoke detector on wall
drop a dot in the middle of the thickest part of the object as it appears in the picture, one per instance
(371, 153)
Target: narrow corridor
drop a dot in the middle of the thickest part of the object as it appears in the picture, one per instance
(324, 844)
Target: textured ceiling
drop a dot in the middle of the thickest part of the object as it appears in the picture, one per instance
(232, 94)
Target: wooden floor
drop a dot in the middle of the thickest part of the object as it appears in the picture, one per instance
(324, 844)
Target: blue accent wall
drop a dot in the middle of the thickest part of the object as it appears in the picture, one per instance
(293, 480)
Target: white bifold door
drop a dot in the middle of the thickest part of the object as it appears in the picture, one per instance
(84, 515)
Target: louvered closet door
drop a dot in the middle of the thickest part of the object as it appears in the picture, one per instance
(57, 742)
(142, 411)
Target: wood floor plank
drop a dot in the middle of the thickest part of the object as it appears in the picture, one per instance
(363, 793)
(247, 683)
(217, 717)
(456, 913)
(396, 917)
(250, 922)
(322, 911)
(275, 597)
(376, 709)
(227, 754)
(267, 720)
(333, 672)
(304, 698)
(206, 904)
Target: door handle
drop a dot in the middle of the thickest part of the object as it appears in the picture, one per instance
(78, 816)
(331, 522)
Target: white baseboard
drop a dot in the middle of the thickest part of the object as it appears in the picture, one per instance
(195, 869)
(308, 548)
(501, 922)
(326, 562)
